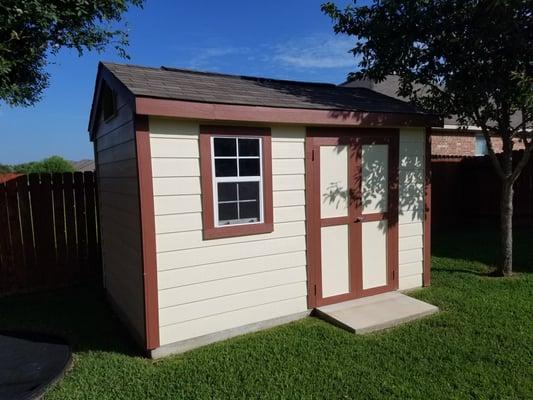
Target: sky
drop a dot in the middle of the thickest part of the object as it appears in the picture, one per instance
(285, 39)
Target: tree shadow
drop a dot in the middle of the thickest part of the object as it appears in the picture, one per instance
(478, 246)
(80, 314)
(373, 188)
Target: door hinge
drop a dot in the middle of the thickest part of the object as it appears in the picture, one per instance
(315, 290)
(312, 155)
(393, 274)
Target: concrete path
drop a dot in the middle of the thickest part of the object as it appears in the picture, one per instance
(375, 312)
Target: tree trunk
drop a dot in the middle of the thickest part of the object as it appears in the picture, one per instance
(506, 226)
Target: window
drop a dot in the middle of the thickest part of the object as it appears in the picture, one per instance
(109, 107)
(236, 181)
(480, 146)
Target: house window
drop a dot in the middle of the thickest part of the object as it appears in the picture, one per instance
(236, 181)
(480, 146)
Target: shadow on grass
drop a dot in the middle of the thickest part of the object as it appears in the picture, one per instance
(79, 314)
(479, 246)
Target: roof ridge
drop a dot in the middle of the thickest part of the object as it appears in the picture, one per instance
(129, 65)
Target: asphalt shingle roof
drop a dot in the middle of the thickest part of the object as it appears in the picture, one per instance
(390, 87)
(188, 85)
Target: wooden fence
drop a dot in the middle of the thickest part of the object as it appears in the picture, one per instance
(466, 190)
(48, 231)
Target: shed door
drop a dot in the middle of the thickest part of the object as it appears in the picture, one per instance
(352, 212)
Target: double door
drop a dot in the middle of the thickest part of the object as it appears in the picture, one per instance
(352, 213)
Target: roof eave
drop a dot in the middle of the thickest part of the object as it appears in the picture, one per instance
(263, 114)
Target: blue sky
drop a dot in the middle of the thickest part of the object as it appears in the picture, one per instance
(287, 39)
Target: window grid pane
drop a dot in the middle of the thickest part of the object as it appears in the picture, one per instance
(248, 186)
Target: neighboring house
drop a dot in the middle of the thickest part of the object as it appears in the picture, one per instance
(448, 140)
(230, 204)
(83, 165)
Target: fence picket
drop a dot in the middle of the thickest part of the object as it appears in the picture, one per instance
(81, 225)
(73, 264)
(27, 228)
(17, 258)
(59, 225)
(5, 241)
(48, 255)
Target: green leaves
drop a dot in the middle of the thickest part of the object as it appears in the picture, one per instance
(48, 165)
(465, 53)
(32, 30)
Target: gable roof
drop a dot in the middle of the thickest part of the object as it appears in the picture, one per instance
(208, 87)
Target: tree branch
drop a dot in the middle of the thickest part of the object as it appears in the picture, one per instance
(523, 161)
(492, 155)
(523, 124)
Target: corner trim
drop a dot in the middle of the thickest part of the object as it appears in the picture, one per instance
(426, 276)
(146, 209)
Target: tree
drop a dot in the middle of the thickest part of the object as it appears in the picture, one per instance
(4, 169)
(471, 58)
(47, 165)
(32, 30)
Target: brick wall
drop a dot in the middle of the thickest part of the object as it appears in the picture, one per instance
(452, 144)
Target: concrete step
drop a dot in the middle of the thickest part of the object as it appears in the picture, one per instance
(373, 313)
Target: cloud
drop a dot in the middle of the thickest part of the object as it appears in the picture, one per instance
(324, 55)
(206, 56)
(316, 52)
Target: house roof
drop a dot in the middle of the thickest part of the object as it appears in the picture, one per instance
(390, 87)
(83, 165)
(208, 87)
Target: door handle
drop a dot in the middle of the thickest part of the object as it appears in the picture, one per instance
(359, 219)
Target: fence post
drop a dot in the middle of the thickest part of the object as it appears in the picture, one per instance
(88, 178)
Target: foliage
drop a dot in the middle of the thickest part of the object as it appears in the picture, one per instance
(473, 59)
(4, 168)
(483, 333)
(47, 165)
(33, 30)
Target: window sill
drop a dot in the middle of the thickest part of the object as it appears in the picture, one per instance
(238, 230)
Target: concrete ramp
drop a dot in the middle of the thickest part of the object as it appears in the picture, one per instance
(373, 313)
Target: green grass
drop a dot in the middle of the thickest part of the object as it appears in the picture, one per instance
(480, 346)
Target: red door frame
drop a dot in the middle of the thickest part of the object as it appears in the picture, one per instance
(354, 138)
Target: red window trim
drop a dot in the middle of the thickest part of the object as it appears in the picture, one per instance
(210, 231)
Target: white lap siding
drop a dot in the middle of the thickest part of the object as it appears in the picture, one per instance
(411, 215)
(117, 182)
(206, 286)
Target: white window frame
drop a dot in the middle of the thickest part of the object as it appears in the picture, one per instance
(236, 179)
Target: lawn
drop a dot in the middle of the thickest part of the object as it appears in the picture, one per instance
(480, 346)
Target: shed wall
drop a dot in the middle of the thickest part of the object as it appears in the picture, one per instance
(411, 207)
(117, 183)
(207, 286)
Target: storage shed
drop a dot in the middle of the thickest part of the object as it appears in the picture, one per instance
(233, 203)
